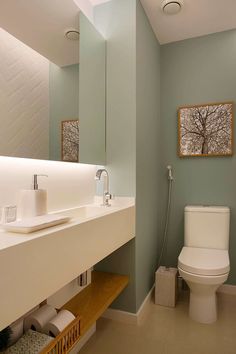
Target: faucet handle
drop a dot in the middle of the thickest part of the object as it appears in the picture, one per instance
(111, 196)
(108, 197)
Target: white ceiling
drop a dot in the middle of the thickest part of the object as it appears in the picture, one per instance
(197, 18)
(86, 6)
(41, 25)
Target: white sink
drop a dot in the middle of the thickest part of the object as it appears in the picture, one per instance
(88, 211)
(77, 215)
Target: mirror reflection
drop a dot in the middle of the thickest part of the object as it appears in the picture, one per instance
(39, 80)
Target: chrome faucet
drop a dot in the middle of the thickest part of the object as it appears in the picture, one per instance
(106, 195)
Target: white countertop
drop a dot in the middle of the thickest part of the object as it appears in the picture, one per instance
(10, 239)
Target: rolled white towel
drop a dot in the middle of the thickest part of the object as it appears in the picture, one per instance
(39, 318)
(56, 325)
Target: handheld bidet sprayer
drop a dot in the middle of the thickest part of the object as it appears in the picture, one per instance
(170, 176)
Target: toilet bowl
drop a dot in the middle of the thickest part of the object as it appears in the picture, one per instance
(205, 268)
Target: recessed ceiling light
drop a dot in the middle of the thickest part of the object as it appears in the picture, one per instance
(72, 34)
(171, 7)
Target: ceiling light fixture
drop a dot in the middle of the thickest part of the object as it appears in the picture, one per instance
(72, 34)
(171, 7)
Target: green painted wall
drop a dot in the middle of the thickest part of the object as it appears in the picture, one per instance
(92, 94)
(148, 200)
(64, 103)
(133, 145)
(197, 71)
(116, 21)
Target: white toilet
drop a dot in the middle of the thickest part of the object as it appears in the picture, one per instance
(204, 260)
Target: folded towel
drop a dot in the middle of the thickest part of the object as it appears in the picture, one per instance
(30, 343)
(35, 223)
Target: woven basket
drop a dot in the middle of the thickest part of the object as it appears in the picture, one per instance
(65, 341)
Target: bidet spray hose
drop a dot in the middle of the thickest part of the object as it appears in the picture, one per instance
(164, 242)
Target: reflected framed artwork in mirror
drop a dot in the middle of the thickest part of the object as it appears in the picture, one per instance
(206, 130)
(70, 140)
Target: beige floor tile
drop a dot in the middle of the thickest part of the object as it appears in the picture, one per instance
(168, 331)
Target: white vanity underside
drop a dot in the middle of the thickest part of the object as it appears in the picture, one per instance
(33, 269)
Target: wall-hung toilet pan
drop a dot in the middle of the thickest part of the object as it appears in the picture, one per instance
(204, 270)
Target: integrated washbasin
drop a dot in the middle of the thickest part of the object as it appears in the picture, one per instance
(74, 215)
(88, 211)
(96, 209)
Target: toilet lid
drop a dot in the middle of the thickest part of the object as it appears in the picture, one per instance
(204, 261)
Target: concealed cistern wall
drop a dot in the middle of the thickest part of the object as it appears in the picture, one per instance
(196, 71)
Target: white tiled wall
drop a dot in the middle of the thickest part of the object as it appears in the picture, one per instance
(68, 184)
(24, 100)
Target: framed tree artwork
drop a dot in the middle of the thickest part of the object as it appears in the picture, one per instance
(206, 130)
(70, 140)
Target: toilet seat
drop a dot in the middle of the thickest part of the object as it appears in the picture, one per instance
(204, 261)
(203, 280)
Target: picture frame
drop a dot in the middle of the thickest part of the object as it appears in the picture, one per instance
(70, 140)
(205, 130)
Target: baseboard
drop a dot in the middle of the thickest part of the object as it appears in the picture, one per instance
(120, 316)
(227, 289)
(129, 317)
(143, 310)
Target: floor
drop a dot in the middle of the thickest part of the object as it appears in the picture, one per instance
(168, 331)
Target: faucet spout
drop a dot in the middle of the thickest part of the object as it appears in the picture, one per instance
(106, 193)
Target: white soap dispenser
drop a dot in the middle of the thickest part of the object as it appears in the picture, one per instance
(32, 202)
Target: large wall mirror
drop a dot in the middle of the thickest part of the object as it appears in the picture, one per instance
(52, 82)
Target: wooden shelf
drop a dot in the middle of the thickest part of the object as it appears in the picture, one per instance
(92, 301)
